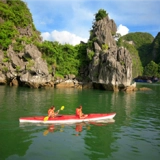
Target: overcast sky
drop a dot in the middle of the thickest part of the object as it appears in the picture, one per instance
(69, 21)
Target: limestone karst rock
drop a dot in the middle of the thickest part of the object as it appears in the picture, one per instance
(111, 67)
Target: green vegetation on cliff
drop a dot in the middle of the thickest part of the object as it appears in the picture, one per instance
(100, 14)
(7, 34)
(14, 17)
(17, 12)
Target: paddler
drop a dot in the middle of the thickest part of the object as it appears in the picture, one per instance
(51, 112)
(79, 112)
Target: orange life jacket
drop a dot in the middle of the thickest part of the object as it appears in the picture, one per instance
(50, 111)
(78, 112)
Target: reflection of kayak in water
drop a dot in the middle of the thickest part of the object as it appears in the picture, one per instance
(78, 127)
(68, 118)
(51, 128)
(98, 124)
(102, 122)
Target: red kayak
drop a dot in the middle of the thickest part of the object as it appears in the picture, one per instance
(68, 118)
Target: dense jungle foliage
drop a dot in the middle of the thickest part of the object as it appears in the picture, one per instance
(65, 59)
(68, 59)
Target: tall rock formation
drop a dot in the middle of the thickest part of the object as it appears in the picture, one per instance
(111, 67)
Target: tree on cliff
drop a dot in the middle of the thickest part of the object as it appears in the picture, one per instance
(101, 14)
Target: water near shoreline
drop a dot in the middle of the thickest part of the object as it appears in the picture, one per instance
(134, 133)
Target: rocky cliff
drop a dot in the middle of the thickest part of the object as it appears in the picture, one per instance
(24, 68)
(111, 67)
(21, 62)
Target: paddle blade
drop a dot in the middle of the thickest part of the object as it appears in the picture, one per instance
(62, 108)
(46, 118)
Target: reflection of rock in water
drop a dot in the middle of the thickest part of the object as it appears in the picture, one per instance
(126, 101)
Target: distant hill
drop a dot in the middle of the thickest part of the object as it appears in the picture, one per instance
(146, 47)
(155, 49)
(142, 43)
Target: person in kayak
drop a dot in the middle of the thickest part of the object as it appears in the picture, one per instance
(79, 112)
(51, 112)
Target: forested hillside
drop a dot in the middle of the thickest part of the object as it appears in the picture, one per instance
(146, 47)
(141, 42)
(155, 49)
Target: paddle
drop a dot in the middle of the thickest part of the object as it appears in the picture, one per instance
(52, 128)
(45, 132)
(46, 118)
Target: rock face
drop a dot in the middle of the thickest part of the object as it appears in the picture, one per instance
(21, 62)
(111, 67)
(25, 68)
(103, 31)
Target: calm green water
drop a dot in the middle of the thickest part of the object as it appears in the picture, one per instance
(134, 135)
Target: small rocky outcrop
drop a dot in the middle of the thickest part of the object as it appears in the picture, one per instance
(111, 67)
(145, 89)
(131, 88)
(69, 81)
